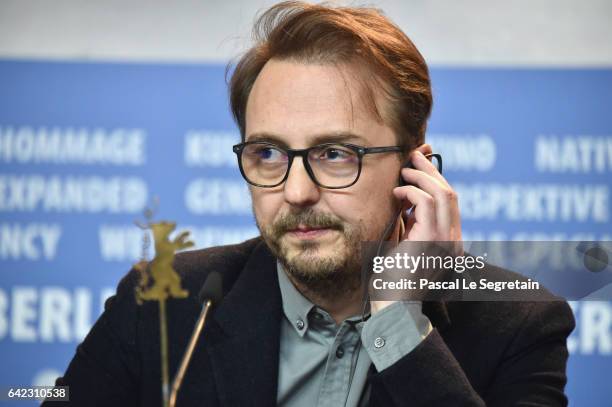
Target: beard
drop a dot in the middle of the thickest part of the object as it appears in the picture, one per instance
(326, 275)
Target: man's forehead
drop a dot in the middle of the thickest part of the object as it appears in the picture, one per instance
(307, 104)
(345, 136)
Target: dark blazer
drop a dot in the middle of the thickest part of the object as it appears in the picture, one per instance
(479, 353)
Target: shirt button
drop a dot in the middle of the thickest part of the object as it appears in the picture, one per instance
(299, 324)
(379, 342)
(339, 352)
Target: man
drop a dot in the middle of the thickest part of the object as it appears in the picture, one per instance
(316, 97)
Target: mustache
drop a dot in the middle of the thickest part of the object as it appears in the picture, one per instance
(290, 221)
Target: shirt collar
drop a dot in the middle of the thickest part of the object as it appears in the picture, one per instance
(295, 306)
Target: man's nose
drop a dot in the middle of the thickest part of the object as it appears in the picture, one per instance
(300, 189)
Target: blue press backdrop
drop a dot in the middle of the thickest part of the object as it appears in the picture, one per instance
(85, 146)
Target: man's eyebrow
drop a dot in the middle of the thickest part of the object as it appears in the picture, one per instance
(336, 137)
(269, 137)
(340, 137)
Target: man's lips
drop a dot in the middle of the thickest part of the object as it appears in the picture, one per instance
(304, 231)
(304, 228)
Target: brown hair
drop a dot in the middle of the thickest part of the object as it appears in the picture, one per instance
(340, 35)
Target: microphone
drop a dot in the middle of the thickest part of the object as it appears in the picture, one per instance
(212, 289)
(210, 295)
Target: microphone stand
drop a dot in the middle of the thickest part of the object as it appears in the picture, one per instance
(180, 374)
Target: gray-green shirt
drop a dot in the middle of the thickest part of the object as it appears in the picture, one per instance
(323, 364)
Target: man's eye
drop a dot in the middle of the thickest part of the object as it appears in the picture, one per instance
(268, 154)
(336, 154)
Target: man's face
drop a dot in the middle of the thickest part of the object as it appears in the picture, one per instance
(317, 232)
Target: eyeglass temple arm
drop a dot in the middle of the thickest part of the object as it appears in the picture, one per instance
(374, 150)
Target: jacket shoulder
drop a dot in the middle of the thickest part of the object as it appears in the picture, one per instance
(542, 312)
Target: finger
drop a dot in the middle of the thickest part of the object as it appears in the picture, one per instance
(424, 211)
(446, 202)
(430, 184)
(420, 162)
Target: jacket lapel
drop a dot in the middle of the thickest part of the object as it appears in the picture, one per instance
(244, 339)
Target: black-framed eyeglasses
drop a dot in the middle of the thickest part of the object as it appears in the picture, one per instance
(329, 165)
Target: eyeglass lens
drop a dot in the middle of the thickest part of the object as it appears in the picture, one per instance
(331, 165)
